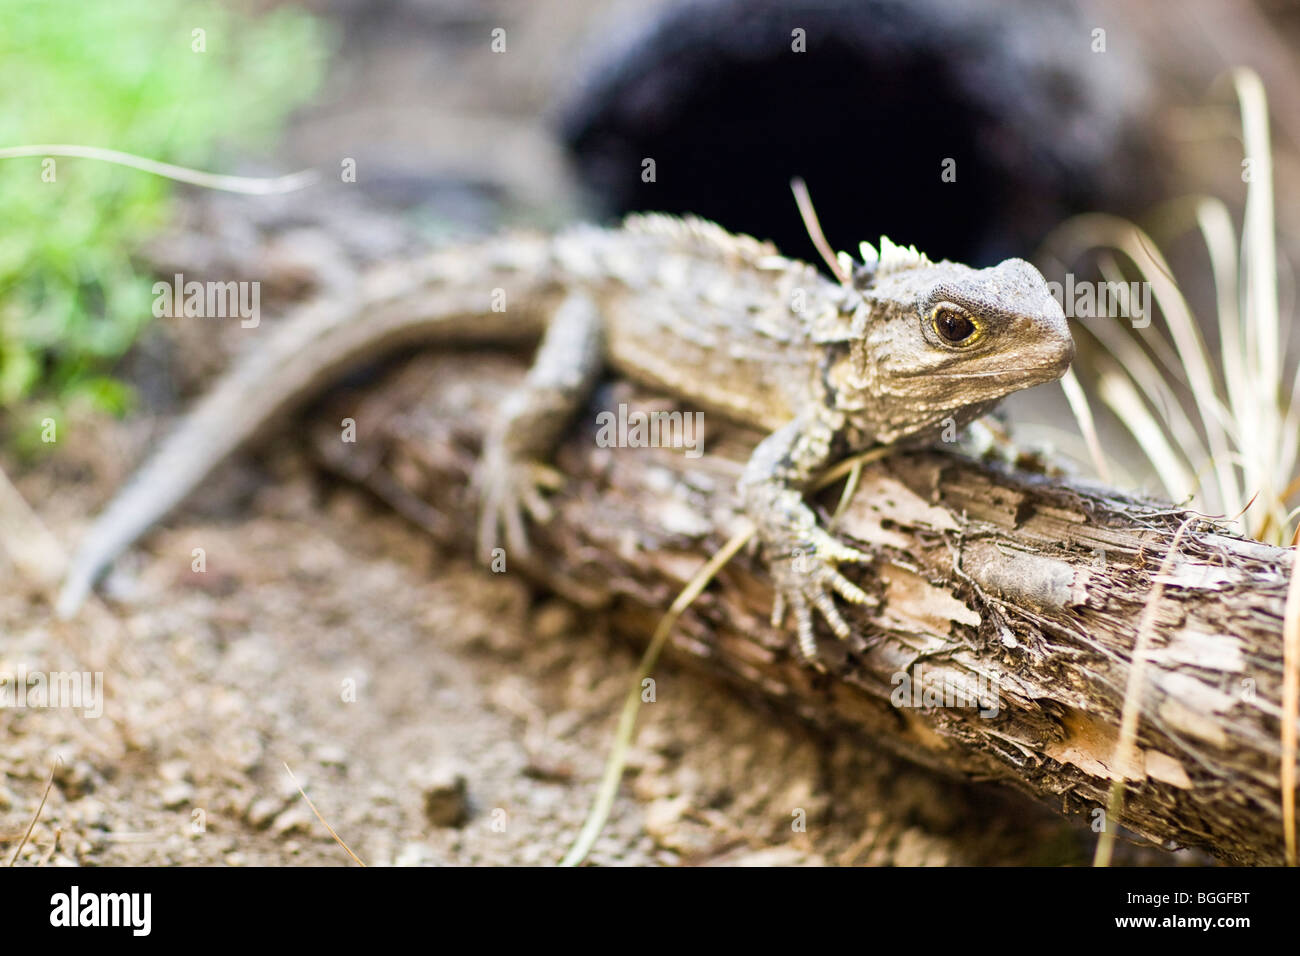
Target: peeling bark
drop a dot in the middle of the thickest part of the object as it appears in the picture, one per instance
(1008, 603)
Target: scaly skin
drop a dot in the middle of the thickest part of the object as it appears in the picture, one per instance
(719, 321)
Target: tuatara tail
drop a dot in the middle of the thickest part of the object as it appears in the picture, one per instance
(447, 297)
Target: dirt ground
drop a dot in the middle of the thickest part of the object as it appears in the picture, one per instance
(434, 714)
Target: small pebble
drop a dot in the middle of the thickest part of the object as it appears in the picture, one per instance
(446, 799)
(177, 795)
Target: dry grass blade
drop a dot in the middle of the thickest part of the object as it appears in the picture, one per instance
(810, 222)
(337, 839)
(249, 185)
(1245, 436)
(848, 466)
(1139, 367)
(1118, 392)
(1083, 415)
(1126, 746)
(623, 736)
(37, 815)
(1259, 243)
(54, 847)
(1102, 231)
(1290, 451)
(1290, 706)
(1215, 223)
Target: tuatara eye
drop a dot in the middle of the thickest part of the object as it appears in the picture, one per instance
(953, 325)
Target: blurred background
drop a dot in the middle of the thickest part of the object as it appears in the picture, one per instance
(1156, 142)
(974, 130)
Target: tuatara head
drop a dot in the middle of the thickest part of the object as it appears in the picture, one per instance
(940, 339)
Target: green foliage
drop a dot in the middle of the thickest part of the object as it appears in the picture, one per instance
(123, 75)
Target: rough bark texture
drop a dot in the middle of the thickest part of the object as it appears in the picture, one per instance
(1009, 601)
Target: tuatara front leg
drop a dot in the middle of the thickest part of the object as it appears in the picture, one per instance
(513, 471)
(801, 554)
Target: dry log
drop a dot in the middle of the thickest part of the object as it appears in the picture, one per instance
(1008, 603)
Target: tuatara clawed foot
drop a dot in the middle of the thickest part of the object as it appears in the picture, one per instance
(508, 488)
(806, 577)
